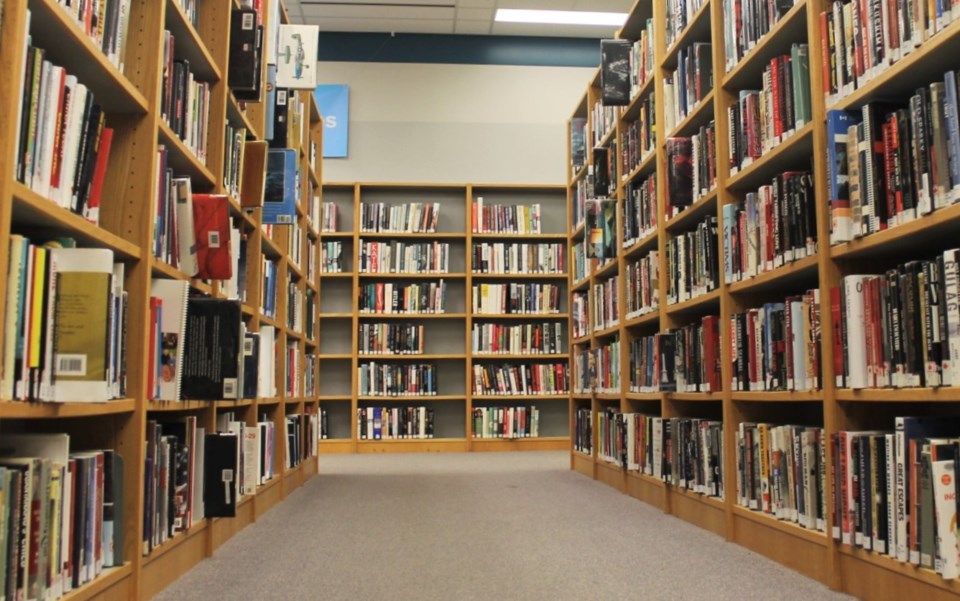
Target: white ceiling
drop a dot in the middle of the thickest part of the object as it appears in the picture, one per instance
(445, 16)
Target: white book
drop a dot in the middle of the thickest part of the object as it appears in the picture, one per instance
(891, 495)
(186, 232)
(251, 460)
(266, 385)
(951, 305)
(46, 114)
(856, 336)
(945, 507)
(173, 320)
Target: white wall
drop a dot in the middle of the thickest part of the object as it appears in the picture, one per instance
(455, 123)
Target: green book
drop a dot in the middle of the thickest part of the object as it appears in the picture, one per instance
(800, 62)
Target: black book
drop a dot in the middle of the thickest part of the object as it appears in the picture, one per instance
(113, 507)
(251, 362)
(280, 115)
(244, 51)
(615, 72)
(220, 474)
(679, 173)
(601, 171)
(212, 351)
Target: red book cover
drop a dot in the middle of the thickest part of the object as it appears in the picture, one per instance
(92, 210)
(836, 311)
(211, 223)
(825, 54)
(893, 203)
(59, 134)
(844, 510)
(775, 91)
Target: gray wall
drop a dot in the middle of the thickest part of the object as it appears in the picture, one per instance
(455, 123)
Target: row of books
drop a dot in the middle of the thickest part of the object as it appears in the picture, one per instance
(521, 339)
(580, 366)
(296, 303)
(270, 270)
(106, 23)
(506, 422)
(894, 493)
(772, 227)
(415, 297)
(331, 257)
(642, 282)
(606, 303)
(414, 217)
(900, 328)
(583, 191)
(894, 162)
(777, 346)
(582, 434)
(390, 339)
(397, 379)
(303, 432)
(782, 472)
(63, 147)
(184, 101)
(683, 452)
(505, 219)
(692, 262)
(65, 315)
(679, 16)
(579, 312)
(235, 143)
(638, 137)
(861, 39)
(642, 61)
(193, 232)
(312, 245)
(578, 144)
(310, 387)
(330, 219)
(603, 120)
(397, 256)
(762, 118)
(745, 23)
(530, 298)
(685, 359)
(520, 379)
(604, 366)
(691, 168)
(579, 261)
(639, 210)
(395, 423)
(522, 257)
(61, 515)
(689, 84)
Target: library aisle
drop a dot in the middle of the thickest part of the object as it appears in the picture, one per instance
(478, 526)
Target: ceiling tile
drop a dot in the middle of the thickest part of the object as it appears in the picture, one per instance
(473, 3)
(563, 31)
(362, 2)
(377, 12)
(537, 4)
(472, 27)
(605, 6)
(475, 14)
(384, 25)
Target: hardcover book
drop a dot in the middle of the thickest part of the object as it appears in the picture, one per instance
(173, 298)
(212, 351)
(297, 56)
(220, 475)
(211, 215)
(280, 189)
(244, 64)
(615, 72)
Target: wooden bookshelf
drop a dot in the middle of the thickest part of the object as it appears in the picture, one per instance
(448, 334)
(130, 97)
(812, 552)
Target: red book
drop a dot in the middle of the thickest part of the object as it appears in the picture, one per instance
(836, 311)
(825, 54)
(211, 224)
(775, 91)
(92, 210)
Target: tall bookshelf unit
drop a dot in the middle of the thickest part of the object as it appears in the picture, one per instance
(843, 567)
(447, 335)
(131, 99)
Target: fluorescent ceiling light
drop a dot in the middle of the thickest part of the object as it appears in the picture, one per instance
(559, 17)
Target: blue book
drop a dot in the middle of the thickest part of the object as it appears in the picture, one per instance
(838, 182)
(280, 189)
(729, 235)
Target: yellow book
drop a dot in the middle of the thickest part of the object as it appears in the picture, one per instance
(35, 331)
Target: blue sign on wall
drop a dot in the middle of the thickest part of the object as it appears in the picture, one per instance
(334, 103)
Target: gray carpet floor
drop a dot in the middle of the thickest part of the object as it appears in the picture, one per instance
(478, 526)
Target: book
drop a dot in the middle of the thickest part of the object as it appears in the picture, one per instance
(615, 72)
(244, 63)
(221, 474)
(172, 295)
(186, 232)
(211, 214)
(280, 187)
(212, 350)
(297, 56)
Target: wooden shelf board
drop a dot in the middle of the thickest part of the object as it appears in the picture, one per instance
(607, 138)
(363, 315)
(344, 356)
(268, 402)
(157, 406)
(270, 248)
(343, 315)
(519, 356)
(581, 285)
(608, 396)
(30, 210)
(707, 500)
(701, 114)
(582, 340)
(605, 332)
(778, 396)
(415, 235)
(519, 276)
(228, 404)
(646, 166)
(561, 236)
(791, 28)
(412, 276)
(607, 270)
(412, 397)
(183, 161)
(578, 231)
(694, 213)
(329, 275)
(270, 321)
(948, 394)
(410, 357)
(527, 316)
(647, 242)
(632, 110)
(697, 30)
(906, 570)
(364, 441)
(541, 443)
(643, 396)
(335, 235)
(272, 482)
(189, 46)
(700, 303)
(657, 482)
(163, 270)
(650, 318)
(521, 397)
(323, 398)
(810, 536)
(793, 152)
(697, 397)
(107, 579)
(914, 236)
(65, 44)
(175, 542)
(779, 278)
(26, 410)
